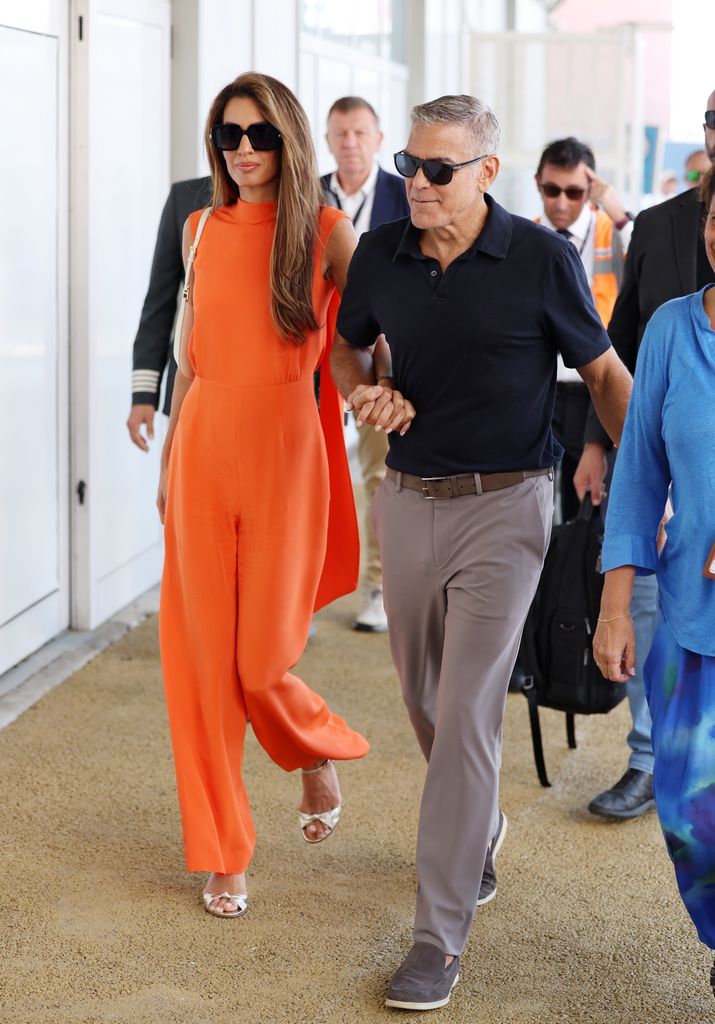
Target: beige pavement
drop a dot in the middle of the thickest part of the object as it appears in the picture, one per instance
(101, 924)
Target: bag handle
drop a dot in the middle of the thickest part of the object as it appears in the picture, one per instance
(591, 513)
(186, 290)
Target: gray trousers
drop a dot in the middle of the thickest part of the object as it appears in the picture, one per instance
(459, 575)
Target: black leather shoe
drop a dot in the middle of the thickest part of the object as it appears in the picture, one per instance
(423, 982)
(632, 795)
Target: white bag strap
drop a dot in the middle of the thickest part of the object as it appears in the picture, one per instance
(187, 283)
(195, 244)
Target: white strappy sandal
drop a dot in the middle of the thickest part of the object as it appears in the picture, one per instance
(328, 818)
(240, 899)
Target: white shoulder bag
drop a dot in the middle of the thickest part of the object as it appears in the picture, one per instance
(182, 320)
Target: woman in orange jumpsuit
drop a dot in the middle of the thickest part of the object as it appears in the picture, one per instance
(255, 494)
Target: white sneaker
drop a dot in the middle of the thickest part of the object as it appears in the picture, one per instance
(372, 618)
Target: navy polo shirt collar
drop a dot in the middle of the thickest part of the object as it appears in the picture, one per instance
(493, 240)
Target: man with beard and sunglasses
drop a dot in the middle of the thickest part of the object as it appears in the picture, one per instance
(666, 259)
(475, 304)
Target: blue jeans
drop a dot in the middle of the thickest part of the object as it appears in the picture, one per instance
(644, 610)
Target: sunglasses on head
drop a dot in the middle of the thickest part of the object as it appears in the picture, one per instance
(710, 118)
(261, 136)
(572, 192)
(436, 171)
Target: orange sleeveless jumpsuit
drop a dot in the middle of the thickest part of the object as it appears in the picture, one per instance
(260, 529)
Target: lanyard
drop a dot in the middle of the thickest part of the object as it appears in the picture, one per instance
(339, 205)
(588, 232)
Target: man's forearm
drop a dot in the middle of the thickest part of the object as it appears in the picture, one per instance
(610, 396)
(593, 432)
(382, 359)
(351, 367)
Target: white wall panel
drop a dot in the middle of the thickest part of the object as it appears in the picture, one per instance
(122, 150)
(44, 16)
(275, 40)
(33, 485)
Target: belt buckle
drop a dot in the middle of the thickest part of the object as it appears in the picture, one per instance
(428, 479)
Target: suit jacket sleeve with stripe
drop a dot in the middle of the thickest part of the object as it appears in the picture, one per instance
(152, 345)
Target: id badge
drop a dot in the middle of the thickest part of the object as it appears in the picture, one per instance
(709, 570)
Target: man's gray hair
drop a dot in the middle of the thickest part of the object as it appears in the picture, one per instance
(467, 111)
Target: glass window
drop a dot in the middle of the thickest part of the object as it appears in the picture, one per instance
(376, 27)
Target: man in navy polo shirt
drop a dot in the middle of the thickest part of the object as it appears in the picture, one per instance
(475, 304)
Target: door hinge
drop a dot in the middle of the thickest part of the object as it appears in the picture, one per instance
(81, 489)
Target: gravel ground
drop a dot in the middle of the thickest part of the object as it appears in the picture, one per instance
(102, 924)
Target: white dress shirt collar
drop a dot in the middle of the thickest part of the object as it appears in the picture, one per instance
(579, 229)
(365, 189)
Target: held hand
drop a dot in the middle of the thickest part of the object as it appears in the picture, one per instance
(591, 472)
(362, 401)
(614, 648)
(161, 494)
(139, 416)
(383, 408)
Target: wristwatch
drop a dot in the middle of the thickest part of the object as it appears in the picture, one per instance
(619, 225)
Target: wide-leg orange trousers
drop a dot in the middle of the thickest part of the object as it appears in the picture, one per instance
(245, 538)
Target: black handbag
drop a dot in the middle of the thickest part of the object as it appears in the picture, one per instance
(555, 663)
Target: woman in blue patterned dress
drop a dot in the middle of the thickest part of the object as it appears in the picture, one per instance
(668, 448)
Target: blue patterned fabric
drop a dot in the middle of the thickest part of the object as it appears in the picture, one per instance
(680, 688)
(668, 442)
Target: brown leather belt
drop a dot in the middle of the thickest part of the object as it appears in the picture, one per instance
(439, 487)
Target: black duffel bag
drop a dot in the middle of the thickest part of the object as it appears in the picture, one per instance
(555, 666)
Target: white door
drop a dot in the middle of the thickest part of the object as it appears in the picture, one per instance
(34, 527)
(120, 179)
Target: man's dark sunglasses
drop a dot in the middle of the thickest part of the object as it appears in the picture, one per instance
(436, 171)
(261, 136)
(710, 118)
(573, 192)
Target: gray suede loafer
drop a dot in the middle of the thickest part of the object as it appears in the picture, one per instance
(423, 982)
(488, 887)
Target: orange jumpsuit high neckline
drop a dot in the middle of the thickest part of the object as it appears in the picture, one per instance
(260, 529)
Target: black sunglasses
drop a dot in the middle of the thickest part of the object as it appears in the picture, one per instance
(436, 171)
(261, 136)
(573, 192)
(710, 118)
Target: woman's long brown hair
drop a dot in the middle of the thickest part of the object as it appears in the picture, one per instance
(299, 198)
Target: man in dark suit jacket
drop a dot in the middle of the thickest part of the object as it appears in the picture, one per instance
(666, 259)
(152, 345)
(370, 196)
